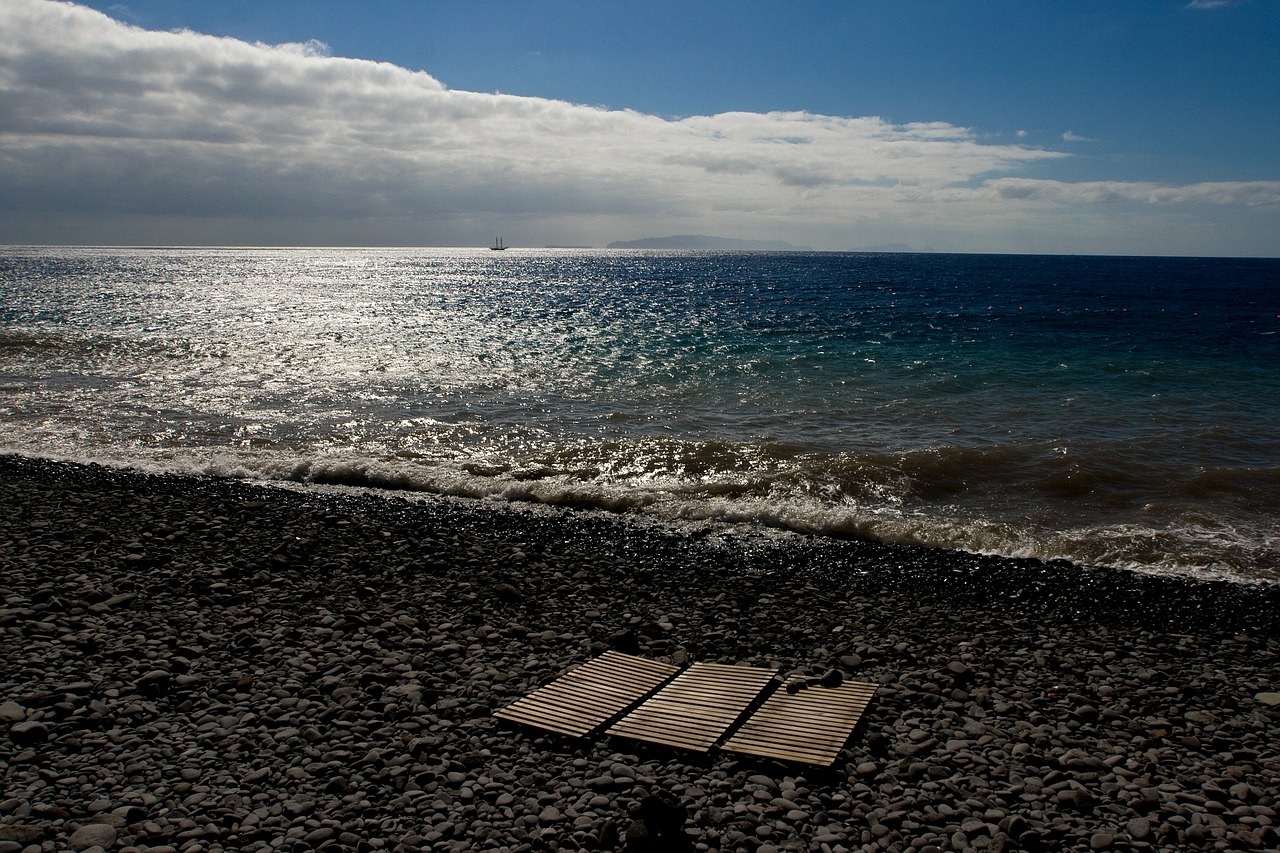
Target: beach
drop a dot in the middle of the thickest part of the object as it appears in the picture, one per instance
(196, 663)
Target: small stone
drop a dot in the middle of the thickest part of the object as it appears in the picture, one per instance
(93, 835)
(625, 641)
(155, 683)
(851, 662)
(1139, 828)
(12, 712)
(28, 733)
(1076, 798)
(1241, 792)
(508, 593)
(960, 673)
(1267, 698)
(831, 678)
(1101, 840)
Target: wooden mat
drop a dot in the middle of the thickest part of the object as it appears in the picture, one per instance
(588, 696)
(810, 726)
(696, 708)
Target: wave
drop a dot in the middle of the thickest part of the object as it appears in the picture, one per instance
(887, 505)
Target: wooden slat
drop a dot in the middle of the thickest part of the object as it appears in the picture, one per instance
(696, 708)
(585, 697)
(810, 726)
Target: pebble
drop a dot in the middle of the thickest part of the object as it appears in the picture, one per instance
(314, 671)
(93, 835)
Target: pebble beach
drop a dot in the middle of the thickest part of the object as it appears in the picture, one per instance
(207, 664)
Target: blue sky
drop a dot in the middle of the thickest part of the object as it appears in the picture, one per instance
(1126, 127)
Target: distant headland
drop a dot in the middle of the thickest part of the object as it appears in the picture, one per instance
(702, 242)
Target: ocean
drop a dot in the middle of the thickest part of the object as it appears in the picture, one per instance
(1113, 411)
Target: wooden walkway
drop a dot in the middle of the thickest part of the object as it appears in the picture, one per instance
(810, 726)
(586, 697)
(696, 708)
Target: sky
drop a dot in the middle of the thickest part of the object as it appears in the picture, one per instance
(1093, 126)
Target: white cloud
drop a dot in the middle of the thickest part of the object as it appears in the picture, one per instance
(1209, 4)
(1075, 137)
(107, 126)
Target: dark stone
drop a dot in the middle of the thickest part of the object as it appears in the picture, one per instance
(1077, 799)
(157, 682)
(607, 837)
(831, 678)
(961, 674)
(1002, 843)
(625, 641)
(28, 733)
(508, 593)
(22, 833)
(658, 825)
(1015, 825)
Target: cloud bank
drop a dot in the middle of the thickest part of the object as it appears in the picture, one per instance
(110, 133)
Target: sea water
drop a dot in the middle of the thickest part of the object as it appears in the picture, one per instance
(1104, 410)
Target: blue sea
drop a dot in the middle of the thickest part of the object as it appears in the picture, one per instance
(1113, 411)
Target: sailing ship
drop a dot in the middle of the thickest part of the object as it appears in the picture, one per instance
(497, 246)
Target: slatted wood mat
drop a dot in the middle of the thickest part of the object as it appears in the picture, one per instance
(696, 708)
(585, 697)
(810, 726)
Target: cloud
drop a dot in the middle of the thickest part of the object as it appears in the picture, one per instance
(1247, 193)
(1075, 137)
(111, 127)
(1209, 4)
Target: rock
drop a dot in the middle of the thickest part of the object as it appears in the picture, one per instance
(658, 825)
(851, 662)
(508, 593)
(1267, 698)
(607, 837)
(961, 674)
(23, 833)
(130, 814)
(28, 733)
(1078, 759)
(831, 678)
(157, 682)
(1077, 799)
(625, 641)
(1139, 828)
(663, 814)
(12, 712)
(93, 835)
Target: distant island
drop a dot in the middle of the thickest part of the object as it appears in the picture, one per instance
(704, 243)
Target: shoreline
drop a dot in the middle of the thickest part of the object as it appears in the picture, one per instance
(235, 663)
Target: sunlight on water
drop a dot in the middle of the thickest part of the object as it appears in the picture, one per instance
(1089, 409)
